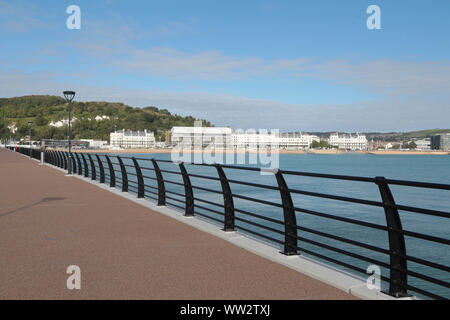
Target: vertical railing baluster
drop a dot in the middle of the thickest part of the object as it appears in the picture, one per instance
(140, 178)
(123, 169)
(397, 248)
(85, 165)
(64, 156)
(290, 221)
(74, 165)
(58, 159)
(228, 223)
(93, 171)
(79, 167)
(189, 195)
(61, 161)
(161, 187)
(101, 168)
(112, 173)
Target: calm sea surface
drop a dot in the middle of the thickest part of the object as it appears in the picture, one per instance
(423, 168)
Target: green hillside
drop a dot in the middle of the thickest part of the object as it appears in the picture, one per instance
(404, 136)
(423, 133)
(41, 110)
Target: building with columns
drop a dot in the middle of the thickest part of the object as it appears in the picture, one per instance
(348, 141)
(128, 139)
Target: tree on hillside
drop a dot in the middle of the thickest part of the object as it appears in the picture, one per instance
(43, 109)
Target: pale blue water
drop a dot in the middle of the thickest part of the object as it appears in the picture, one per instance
(405, 167)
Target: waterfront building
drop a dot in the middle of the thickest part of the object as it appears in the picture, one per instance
(423, 144)
(96, 144)
(226, 138)
(201, 137)
(440, 142)
(64, 144)
(297, 140)
(348, 141)
(128, 139)
(252, 139)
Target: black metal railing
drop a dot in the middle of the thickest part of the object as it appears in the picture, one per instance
(137, 175)
(35, 153)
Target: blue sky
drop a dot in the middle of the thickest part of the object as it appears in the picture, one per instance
(290, 65)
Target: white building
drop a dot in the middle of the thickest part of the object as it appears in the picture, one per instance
(201, 137)
(96, 144)
(12, 127)
(62, 123)
(128, 139)
(220, 138)
(101, 118)
(423, 144)
(251, 139)
(348, 141)
(297, 140)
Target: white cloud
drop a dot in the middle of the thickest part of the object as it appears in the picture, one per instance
(389, 76)
(242, 112)
(206, 65)
(411, 95)
(18, 17)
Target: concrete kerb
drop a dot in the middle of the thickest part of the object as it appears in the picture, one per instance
(315, 269)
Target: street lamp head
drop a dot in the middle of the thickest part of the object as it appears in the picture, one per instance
(69, 95)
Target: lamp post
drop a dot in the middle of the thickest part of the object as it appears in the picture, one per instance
(69, 95)
(29, 125)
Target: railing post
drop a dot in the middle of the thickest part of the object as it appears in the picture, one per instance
(79, 167)
(101, 168)
(290, 221)
(112, 173)
(58, 159)
(228, 202)
(64, 156)
(161, 187)
(85, 165)
(398, 263)
(189, 205)
(140, 179)
(74, 165)
(123, 169)
(93, 171)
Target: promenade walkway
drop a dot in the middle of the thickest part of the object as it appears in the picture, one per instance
(49, 221)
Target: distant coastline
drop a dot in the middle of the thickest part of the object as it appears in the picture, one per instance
(331, 152)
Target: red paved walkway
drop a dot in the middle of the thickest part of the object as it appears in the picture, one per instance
(49, 221)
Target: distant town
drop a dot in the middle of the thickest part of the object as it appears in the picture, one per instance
(227, 138)
(42, 121)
